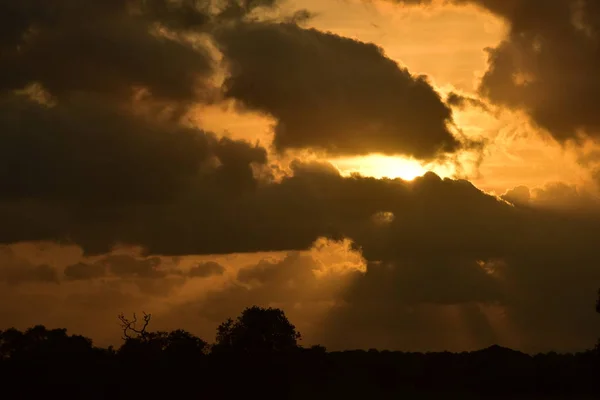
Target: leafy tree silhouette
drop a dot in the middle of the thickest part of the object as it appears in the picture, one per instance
(257, 330)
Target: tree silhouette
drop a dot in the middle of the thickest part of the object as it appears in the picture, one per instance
(257, 354)
(598, 311)
(178, 344)
(257, 329)
(130, 329)
(39, 341)
(182, 344)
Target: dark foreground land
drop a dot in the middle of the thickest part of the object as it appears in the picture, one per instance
(254, 357)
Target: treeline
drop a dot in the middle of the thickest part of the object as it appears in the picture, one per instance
(258, 354)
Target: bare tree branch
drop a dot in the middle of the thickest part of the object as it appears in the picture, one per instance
(130, 326)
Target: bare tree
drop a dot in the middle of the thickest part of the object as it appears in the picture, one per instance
(130, 327)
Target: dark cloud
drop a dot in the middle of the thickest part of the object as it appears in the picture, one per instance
(547, 64)
(206, 269)
(561, 195)
(555, 196)
(237, 9)
(298, 283)
(77, 164)
(101, 47)
(86, 151)
(31, 273)
(518, 195)
(83, 271)
(436, 280)
(295, 268)
(333, 93)
(16, 271)
(120, 265)
(126, 266)
(462, 101)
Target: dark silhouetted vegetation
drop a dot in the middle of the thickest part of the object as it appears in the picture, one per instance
(258, 354)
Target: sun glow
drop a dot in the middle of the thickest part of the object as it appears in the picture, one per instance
(380, 166)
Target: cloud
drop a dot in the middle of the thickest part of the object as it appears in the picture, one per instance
(125, 265)
(555, 196)
(300, 283)
(16, 271)
(547, 64)
(89, 302)
(30, 273)
(147, 274)
(206, 269)
(453, 269)
(85, 150)
(101, 47)
(333, 93)
(110, 168)
(83, 271)
(518, 195)
(96, 165)
(461, 101)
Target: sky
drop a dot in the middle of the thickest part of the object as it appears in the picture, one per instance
(415, 175)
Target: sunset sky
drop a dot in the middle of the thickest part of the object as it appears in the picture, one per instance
(401, 174)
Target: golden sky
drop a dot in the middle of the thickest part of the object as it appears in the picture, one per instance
(446, 43)
(192, 161)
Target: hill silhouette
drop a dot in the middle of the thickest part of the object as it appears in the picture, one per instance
(258, 354)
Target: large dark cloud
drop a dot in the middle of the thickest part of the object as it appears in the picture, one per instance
(109, 47)
(333, 93)
(548, 63)
(82, 163)
(84, 150)
(103, 47)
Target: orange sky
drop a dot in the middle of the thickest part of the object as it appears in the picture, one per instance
(446, 43)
